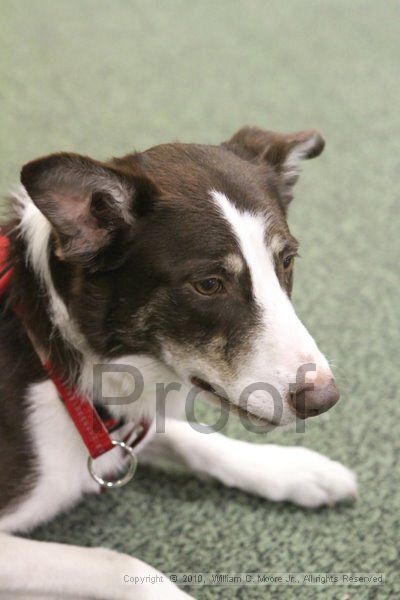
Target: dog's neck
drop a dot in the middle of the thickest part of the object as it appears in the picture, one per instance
(57, 335)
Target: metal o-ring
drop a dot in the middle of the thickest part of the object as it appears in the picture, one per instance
(104, 483)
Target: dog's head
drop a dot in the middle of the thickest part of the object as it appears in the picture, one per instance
(183, 252)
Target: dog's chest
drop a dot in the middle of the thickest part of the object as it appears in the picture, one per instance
(60, 475)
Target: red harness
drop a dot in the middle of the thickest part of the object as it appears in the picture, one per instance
(94, 431)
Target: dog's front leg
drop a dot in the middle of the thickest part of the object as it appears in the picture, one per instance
(278, 473)
(30, 567)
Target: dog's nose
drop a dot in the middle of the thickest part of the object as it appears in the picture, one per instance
(310, 400)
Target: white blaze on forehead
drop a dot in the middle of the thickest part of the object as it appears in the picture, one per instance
(282, 340)
(250, 231)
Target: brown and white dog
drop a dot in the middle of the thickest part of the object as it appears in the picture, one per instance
(177, 261)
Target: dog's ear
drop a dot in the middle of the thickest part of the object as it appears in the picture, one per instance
(282, 152)
(89, 204)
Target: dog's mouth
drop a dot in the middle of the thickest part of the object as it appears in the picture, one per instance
(215, 396)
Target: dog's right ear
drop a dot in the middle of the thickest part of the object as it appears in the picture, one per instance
(88, 203)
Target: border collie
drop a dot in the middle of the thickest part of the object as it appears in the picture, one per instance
(175, 263)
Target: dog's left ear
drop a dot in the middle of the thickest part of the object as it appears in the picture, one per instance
(90, 204)
(282, 152)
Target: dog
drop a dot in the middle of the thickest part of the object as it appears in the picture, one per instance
(175, 264)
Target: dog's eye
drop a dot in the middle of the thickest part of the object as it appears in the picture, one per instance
(209, 286)
(288, 262)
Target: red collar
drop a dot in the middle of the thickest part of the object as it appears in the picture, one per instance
(93, 429)
(5, 269)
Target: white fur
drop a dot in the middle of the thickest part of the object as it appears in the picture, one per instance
(36, 230)
(60, 456)
(297, 154)
(278, 473)
(71, 572)
(282, 343)
(118, 384)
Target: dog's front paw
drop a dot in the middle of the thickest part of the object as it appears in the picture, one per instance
(310, 479)
(294, 474)
(313, 480)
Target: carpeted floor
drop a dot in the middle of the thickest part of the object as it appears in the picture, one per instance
(103, 77)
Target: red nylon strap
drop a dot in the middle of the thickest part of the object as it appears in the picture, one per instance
(85, 417)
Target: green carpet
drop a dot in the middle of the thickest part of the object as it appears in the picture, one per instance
(104, 77)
